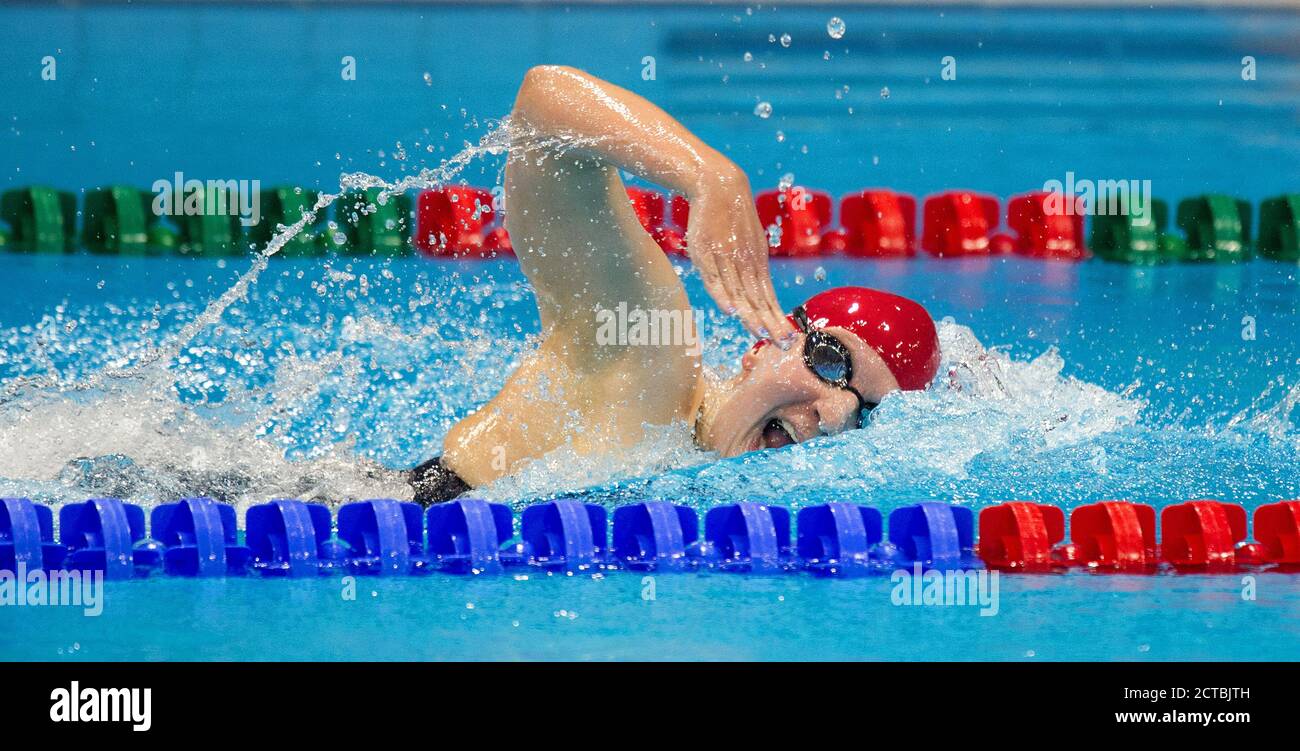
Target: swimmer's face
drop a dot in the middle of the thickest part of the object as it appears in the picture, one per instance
(777, 400)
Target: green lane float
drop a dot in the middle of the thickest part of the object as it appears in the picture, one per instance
(375, 224)
(1279, 228)
(1217, 228)
(210, 224)
(209, 220)
(283, 206)
(41, 219)
(118, 219)
(1127, 237)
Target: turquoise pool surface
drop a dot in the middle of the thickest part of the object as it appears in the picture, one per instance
(1176, 405)
(155, 378)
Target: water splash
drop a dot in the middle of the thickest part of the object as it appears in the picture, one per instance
(984, 405)
(126, 427)
(273, 383)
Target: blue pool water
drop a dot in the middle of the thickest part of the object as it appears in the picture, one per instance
(1072, 383)
(1175, 406)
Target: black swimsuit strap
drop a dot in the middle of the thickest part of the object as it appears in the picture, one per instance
(435, 483)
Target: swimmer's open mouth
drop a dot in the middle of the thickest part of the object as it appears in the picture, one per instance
(775, 435)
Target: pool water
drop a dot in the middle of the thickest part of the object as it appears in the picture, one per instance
(1176, 405)
(693, 617)
(319, 379)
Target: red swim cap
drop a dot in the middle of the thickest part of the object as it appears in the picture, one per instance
(896, 327)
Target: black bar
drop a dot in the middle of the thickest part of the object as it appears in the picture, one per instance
(970, 702)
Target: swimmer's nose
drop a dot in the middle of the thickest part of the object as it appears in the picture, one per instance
(837, 411)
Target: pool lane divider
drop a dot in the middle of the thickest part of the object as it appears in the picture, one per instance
(198, 537)
(464, 222)
(40, 219)
(1279, 228)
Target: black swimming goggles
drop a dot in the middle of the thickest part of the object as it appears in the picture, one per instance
(828, 359)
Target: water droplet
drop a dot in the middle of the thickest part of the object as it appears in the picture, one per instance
(884, 93)
(819, 274)
(428, 79)
(785, 40)
(780, 136)
(763, 110)
(749, 58)
(786, 181)
(835, 27)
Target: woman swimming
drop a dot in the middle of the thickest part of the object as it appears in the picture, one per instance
(583, 249)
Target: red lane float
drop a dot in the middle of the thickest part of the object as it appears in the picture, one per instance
(649, 208)
(457, 221)
(959, 223)
(795, 218)
(1020, 536)
(681, 210)
(1204, 535)
(876, 223)
(1277, 528)
(1043, 229)
(1113, 536)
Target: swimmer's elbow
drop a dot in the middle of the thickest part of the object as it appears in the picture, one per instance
(548, 77)
(541, 84)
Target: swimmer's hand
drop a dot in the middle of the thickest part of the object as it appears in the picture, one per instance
(724, 237)
(727, 244)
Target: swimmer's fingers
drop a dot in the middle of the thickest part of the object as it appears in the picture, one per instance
(707, 263)
(760, 315)
(755, 277)
(741, 305)
(723, 239)
(762, 297)
(723, 281)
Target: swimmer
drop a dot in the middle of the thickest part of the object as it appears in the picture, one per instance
(816, 372)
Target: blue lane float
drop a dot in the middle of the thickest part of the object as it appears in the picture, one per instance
(749, 537)
(108, 535)
(385, 537)
(655, 535)
(840, 539)
(291, 538)
(466, 536)
(935, 535)
(199, 538)
(565, 534)
(27, 536)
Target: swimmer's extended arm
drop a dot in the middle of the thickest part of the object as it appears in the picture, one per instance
(582, 115)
